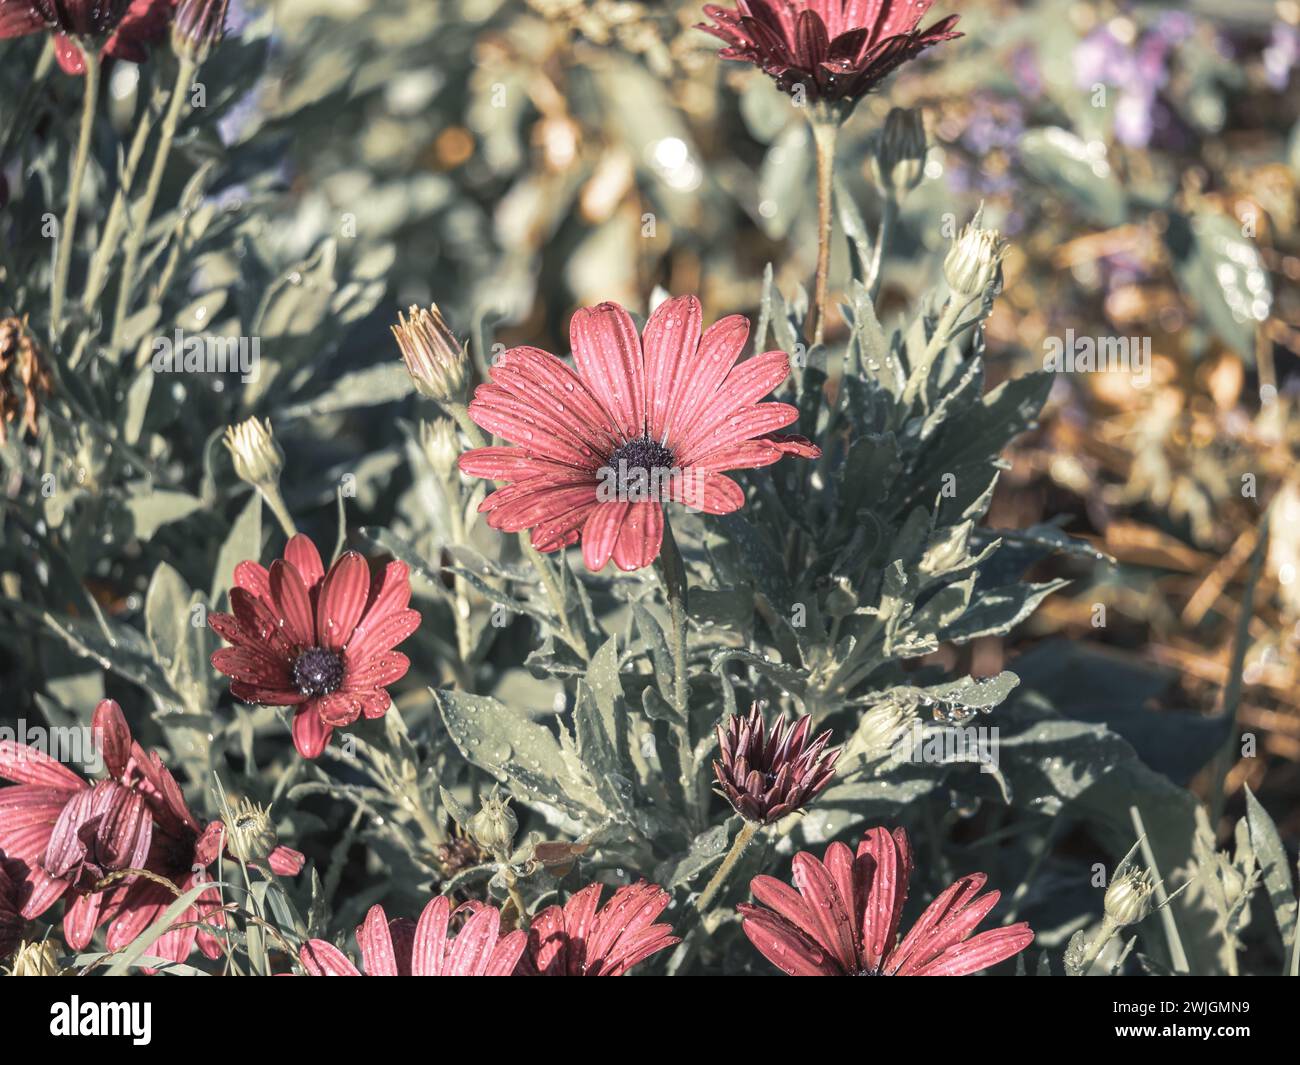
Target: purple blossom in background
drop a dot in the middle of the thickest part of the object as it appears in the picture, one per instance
(1281, 55)
(1138, 71)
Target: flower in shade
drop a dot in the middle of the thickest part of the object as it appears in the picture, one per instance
(843, 920)
(644, 420)
(768, 773)
(64, 837)
(834, 49)
(126, 27)
(319, 642)
(577, 939)
(11, 918)
(403, 947)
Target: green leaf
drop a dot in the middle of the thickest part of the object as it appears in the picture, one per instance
(1276, 867)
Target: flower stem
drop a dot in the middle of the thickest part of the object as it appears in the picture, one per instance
(144, 211)
(672, 574)
(738, 846)
(888, 220)
(108, 243)
(271, 493)
(63, 259)
(921, 371)
(825, 131)
(1104, 933)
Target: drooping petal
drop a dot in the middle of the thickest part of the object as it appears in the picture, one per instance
(640, 536)
(600, 533)
(310, 734)
(324, 959)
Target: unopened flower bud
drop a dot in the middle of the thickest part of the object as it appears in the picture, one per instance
(434, 357)
(1128, 899)
(258, 459)
(441, 446)
(36, 959)
(898, 163)
(198, 27)
(974, 261)
(493, 828)
(249, 832)
(880, 728)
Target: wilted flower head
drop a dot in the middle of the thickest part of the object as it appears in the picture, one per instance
(24, 378)
(125, 26)
(434, 357)
(578, 939)
(35, 959)
(198, 28)
(404, 948)
(257, 458)
(843, 920)
(67, 838)
(768, 774)
(974, 261)
(319, 642)
(834, 49)
(644, 420)
(898, 163)
(1128, 898)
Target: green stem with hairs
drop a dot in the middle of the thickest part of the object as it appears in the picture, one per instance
(720, 878)
(271, 493)
(144, 212)
(825, 130)
(672, 575)
(67, 235)
(108, 243)
(942, 334)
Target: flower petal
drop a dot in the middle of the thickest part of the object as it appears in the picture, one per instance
(670, 342)
(600, 533)
(343, 598)
(640, 536)
(608, 353)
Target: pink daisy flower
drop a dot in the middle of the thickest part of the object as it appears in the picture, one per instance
(834, 49)
(403, 947)
(319, 642)
(843, 919)
(578, 939)
(127, 26)
(643, 421)
(61, 835)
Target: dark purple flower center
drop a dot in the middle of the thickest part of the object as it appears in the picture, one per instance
(637, 471)
(641, 453)
(317, 671)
